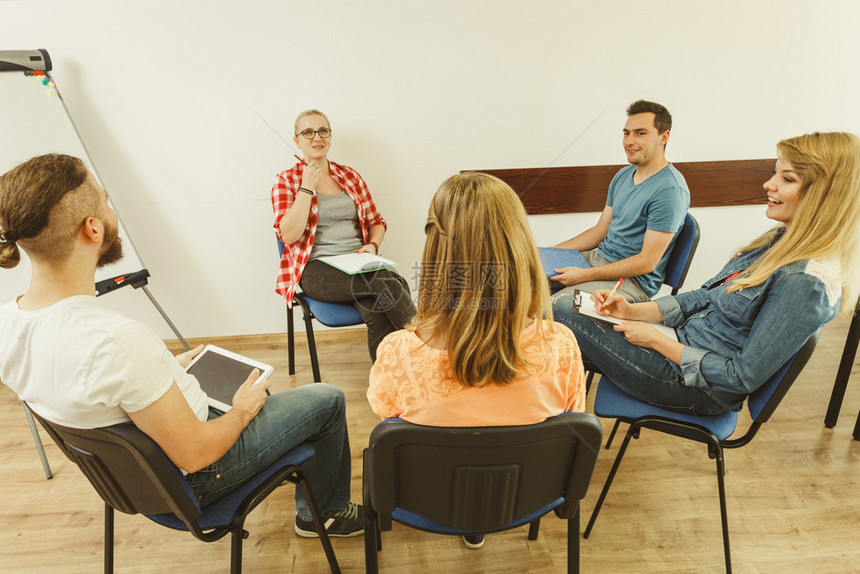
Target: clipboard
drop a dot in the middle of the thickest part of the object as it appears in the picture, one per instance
(220, 372)
(582, 305)
(554, 258)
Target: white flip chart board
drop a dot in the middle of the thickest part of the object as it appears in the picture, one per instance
(34, 121)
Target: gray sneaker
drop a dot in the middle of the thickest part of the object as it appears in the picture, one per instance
(343, 524)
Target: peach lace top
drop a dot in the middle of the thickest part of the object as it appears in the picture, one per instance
(413, 381)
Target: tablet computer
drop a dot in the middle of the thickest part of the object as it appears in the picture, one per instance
(220, 372)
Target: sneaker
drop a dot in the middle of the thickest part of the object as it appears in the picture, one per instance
(474, 541)
(348, 522)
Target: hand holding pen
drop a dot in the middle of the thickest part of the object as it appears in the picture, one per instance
(612, 303)
(613, 292)
(312, 175)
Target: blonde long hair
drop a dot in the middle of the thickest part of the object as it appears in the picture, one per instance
(481, 278)
(827, 221)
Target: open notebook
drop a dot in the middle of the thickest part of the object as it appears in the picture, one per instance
(353, 263)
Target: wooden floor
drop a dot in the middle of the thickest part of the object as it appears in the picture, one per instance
(793, 497)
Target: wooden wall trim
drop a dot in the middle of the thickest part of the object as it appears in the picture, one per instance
(583, 188)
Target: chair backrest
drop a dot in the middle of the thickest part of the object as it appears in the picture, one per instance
(481, 478)
(764, 400)
(682, 254)
(127, 468)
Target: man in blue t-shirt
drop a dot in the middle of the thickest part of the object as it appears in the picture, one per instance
(644, 212)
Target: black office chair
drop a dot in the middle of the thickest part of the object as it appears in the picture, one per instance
(133, 475)
(678, 265)
(714, 431)
(462, 481)
(329, 314)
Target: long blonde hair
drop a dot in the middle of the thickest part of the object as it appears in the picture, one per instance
(827, 221)
(481, 278)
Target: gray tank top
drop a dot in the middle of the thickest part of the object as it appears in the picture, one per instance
(338, 230)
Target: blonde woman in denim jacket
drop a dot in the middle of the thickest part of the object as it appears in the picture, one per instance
(749, 319)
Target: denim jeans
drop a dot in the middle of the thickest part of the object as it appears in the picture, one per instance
(314, 414)
(382, 297)
(640, 372)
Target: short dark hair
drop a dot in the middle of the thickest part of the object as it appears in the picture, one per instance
(662, 117)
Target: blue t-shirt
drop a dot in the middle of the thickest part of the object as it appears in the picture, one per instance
(659, 203)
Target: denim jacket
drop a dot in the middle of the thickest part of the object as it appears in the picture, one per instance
(735, 342)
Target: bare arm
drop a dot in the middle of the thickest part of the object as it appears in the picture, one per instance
(654, 246)
(374, 235)
(190, 443)
(293, 223)
(590, 238)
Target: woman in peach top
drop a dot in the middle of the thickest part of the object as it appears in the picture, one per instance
(483, 349)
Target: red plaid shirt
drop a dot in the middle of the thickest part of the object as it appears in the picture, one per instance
(295, 255)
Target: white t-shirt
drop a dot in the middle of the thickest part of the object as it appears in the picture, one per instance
(82, 365)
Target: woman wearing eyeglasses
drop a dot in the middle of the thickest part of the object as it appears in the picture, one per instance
(323, 208)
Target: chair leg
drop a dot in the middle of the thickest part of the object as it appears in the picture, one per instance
(533, 528)
(39, 446)
(573, 543)
(857, 428)
(312, 346)
(844, 372)
(238, 535)
(318, 522)
(291, 339)
(108, 539)
(724, 515)
(372, 540)
(612, 434)
(606, 486)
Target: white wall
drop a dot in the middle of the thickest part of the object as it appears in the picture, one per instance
(164, 94)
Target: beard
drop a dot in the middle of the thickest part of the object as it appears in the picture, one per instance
(111, 250)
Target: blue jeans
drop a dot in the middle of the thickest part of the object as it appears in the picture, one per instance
(314, 414)
(640, 372)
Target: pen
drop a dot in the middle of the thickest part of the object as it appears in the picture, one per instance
(611, 293)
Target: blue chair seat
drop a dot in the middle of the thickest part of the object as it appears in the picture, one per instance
(223, 511)
(612, 402)
(332, 314)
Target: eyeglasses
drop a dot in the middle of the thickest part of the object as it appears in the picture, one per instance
(324, 133)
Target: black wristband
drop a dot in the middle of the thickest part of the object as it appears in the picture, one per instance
(308, 191)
